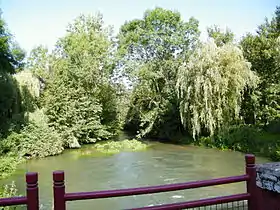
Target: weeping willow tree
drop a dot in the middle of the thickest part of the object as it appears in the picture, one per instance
(278, 52)
(29, 87)
(210, 87)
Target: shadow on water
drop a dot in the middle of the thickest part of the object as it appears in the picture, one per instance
(161, 164)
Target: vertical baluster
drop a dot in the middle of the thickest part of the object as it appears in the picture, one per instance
(251, 183)
(32, 191)
(59, 190)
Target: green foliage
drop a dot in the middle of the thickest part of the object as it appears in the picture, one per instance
(11, 110)
(8, 191)
(19, 94)
(123, 102)
(210, 87)
(157, 43)
(8, 165)
(262, 51)
(112, 147)
(227, 96)
(79, 98)
(29, 87)
(154, 103)
(18, 56)
(158, 35)
(8, 61)
(11, 60)
(40, 63)
(247, 139)
(11, 55)
(10, 104)
(36, 139)
(23, 101)
(75, 114)
(219, 36)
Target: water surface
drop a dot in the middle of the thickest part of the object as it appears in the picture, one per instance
(162, 164)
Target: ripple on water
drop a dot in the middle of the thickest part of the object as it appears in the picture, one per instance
(165, 164)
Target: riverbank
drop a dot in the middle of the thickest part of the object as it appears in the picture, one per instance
(9, 163)
(258, 140)
(245, 139)
(81, 161)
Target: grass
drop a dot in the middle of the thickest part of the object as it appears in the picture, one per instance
(113, 147)
(109, 148)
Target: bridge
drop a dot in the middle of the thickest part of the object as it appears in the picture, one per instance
(261, 191)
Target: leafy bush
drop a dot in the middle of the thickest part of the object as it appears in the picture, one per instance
(8, 165)
(37, 139)
(248, 139)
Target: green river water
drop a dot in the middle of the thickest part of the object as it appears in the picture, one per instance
(161, 164)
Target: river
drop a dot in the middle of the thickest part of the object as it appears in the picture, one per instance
(161, 164)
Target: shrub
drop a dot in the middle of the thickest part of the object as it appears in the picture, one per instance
(37, 139)
(248, 139)
(8, 165)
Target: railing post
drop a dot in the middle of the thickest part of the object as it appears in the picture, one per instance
(59, 190)
(32, 191)
(251, 183)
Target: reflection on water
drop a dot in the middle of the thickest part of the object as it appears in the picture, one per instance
(163, 164)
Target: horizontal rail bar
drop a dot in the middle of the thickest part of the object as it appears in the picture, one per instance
(153, 189)
(13, 201)
(198, 203)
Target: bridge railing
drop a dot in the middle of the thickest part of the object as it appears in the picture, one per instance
(31, 200)
(61, 197)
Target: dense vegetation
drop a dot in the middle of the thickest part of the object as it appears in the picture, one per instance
(222, 93)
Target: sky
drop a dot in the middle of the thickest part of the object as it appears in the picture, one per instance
(36, 22)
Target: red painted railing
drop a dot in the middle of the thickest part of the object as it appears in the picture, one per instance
(61, 197)
(31, 200)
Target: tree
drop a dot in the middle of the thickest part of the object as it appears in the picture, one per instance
(79, 98)
(150, 51)
(261, 51)
(11, 59)
(160, 35)
(153, 110)
(11, 55)
(219, 36)
(39, 62)
(210, 87)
